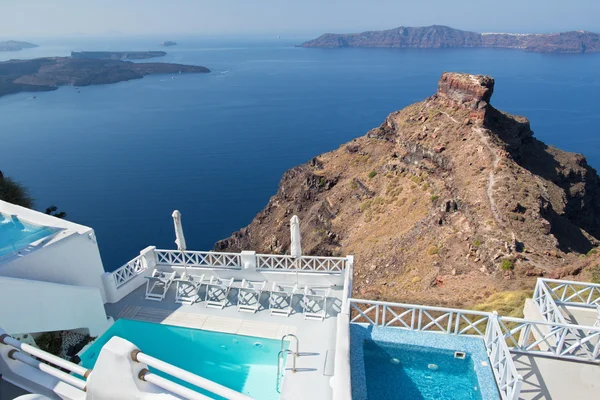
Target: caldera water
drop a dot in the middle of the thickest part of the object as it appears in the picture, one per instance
(120, 158)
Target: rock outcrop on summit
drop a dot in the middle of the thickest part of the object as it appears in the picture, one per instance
(447, 202)
(441, 37)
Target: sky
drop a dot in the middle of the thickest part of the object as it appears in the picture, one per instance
(35, 18)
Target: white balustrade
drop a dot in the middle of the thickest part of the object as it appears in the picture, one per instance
(303, 263)
(420, 318)
(195, 259)
(566, 341)
(128, 271)
(572, 293)
(507, 377)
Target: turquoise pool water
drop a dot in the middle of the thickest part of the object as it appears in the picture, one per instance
(398, 371)
(394, 363)
(243, 363)
(16, 234)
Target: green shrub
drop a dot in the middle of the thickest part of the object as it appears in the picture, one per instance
(477, 243)
(507, 265)
(433, 250)
(434, 198)
(14, 192)
(372, 174)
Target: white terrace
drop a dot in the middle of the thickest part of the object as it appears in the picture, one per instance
(552, 353)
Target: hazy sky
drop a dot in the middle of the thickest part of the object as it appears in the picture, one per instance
(26, 18)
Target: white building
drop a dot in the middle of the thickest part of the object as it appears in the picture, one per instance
(226, 316)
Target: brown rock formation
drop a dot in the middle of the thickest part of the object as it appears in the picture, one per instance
(435, 199)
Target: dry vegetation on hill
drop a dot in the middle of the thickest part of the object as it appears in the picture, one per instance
(449, 202)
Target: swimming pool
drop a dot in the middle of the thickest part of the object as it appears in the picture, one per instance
(16, 234)
(392, 363)
(414, 372)
(243, 363)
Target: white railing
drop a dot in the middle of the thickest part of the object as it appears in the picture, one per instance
(80, 378)
(176, 372)
(129, 271)
(303, 263)
(419, 318)
(196, 259)
(566, 341)
(543, 298)
(571, 293)
(49, 364)
(507, 377)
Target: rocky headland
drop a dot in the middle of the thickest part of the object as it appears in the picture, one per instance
(450, 201)
(13, 45)
(117, 55)
(44, 74)
(438, 36)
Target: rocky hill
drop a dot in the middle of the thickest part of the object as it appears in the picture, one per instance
(437, 36)
(447, 202)
(13, 45)
(43, 74)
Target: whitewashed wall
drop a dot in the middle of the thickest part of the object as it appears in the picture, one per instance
(70, 257)
(32, 306)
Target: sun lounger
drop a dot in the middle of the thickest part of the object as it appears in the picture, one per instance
(281, 298)
(158, 284)
(217, 292)
(249, 296)
(314, 304)
(188, 288)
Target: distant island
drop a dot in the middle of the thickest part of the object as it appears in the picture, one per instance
(438, 37)
(44, 74)
(13, 45)
(117, 55)
(168, 44)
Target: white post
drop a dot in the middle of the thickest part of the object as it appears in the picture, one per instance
(348, 277)
(149, 257)
(248, 259)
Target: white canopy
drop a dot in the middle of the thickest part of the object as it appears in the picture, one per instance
(179, 239)
(296, 247)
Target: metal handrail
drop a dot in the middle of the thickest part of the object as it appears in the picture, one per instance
(186, 376)
(147, 376)
(48, 369)
(297, 342)
(279, 366)
(34, 351)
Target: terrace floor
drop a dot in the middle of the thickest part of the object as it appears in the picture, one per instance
(579, 315)
(548, 378)
(317, 338)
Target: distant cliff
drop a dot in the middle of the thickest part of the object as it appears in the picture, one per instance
(13, 45)
(117, 55)
(439, 37)
(43, 74)
(447, 202)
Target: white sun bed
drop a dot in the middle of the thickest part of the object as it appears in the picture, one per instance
(249, 295)
(281, 298)
(217, 292)
(158, 284)
(188, 289)
(314, 303)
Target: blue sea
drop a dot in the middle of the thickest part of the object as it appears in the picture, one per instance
(120, 158)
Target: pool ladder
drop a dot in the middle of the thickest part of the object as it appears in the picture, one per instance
(281, 359)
